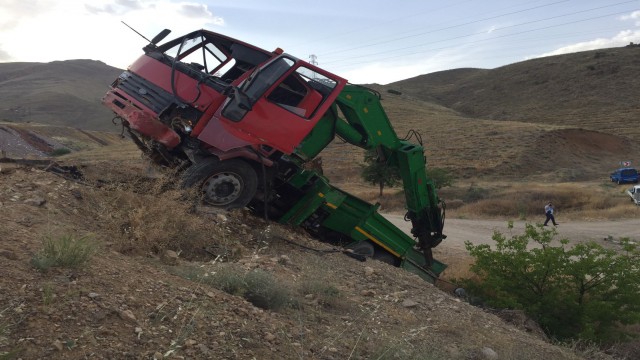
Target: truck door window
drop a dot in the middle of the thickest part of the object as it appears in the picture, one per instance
(259, 82)
(302, 92)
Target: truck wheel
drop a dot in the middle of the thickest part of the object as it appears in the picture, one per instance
(363, 248)
(227, 184)
(385, 256)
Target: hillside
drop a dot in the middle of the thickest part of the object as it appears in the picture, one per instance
(596, 90)
(482, 148)
(153, 290)
(58, 93)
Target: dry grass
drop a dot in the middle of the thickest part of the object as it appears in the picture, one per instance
(521, 200)
(120, 150)
(64, 251)
(150, 216)
(573, 200)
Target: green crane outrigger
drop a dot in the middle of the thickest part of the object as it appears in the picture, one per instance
(324, 208)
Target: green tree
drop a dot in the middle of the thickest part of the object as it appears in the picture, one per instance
(583, 292)
(378, 172)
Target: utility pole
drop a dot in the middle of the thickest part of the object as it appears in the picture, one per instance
(313, 60)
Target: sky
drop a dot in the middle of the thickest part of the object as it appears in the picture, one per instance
(364, 41)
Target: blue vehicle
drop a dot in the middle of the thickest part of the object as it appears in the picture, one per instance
(624, 175)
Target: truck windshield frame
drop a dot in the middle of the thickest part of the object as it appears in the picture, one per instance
(213, 54)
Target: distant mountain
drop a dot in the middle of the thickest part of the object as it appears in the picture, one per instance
(64, 93)
(596, 90)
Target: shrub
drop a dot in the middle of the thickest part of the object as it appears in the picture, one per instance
(263, 291)
(258, 286)
(325, 294)
(64, 251)
(584, 292)
(474, 193)
(378, 172)
(59, 152)
(228, 280)
(441, 177)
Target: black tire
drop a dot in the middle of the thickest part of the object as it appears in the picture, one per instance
(385, 257)
(227, 184)
(363, 248)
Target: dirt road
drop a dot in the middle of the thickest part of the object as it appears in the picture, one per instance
(453, 253)
(480, 231)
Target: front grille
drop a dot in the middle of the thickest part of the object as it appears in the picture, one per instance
(152, 96)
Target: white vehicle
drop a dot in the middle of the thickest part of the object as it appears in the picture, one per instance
(634, 193)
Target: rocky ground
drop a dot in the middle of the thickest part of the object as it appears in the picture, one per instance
(148, 292)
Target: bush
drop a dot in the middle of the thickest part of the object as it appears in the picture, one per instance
(584, 292)
(324, 293)
(474, 193)
(379, 173)
(263, 291)
(64, 251)
(258, 287)
(440, 177)
(59, 152)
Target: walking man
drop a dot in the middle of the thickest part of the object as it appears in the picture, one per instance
(548, 210)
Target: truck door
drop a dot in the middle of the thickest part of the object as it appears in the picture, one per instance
(280, 103)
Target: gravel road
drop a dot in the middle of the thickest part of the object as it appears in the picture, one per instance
(480, 231)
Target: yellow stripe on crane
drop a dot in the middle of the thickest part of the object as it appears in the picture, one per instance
(328, 204)
(370, 237)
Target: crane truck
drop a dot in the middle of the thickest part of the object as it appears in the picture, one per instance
(239, 123)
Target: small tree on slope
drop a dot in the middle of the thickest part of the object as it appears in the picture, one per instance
(584, 292)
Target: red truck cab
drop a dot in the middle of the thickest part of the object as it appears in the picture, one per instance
(227, 94)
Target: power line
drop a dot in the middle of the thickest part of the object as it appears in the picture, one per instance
(442, 29)
(423, 52)
(481, 33)
(468, 45)
(358, 29)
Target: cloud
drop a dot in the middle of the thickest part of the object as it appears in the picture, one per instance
(14, 11)
(117, 7)
(633, 16)
(4, 56)
(408, 67)
(129, 4)
(199, 11)
(622, 38)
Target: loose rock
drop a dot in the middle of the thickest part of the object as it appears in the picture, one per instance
(488, 353)
(58, 345)
(409, 303)
(38, 201)
(367, 293)
(8, 254)
(170, 257)
(128, 316)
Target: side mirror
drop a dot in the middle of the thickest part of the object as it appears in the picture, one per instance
(237, 106)
(163, 34)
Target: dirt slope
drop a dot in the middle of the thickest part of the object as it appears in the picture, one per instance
(129, 303)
